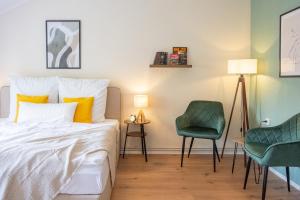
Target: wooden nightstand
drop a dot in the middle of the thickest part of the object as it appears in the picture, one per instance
(140, 134)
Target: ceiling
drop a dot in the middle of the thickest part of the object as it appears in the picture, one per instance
(7, 5)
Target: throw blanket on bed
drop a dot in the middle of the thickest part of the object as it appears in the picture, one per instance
(38, 160)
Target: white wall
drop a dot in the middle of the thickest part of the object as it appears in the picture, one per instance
(119, 41)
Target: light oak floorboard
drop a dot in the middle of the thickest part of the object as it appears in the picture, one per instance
(162, 178)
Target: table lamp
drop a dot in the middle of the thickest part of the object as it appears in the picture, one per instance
(141, 101)
(241, 67)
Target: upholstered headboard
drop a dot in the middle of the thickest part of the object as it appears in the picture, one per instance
(113, 103)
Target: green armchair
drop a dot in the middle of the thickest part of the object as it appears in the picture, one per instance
(202, 119)
(274, 147)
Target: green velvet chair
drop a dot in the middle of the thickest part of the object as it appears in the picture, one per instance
(202, 119)
(277, 146)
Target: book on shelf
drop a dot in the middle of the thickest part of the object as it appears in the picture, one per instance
(182, 52)
(161, 58)
(173, 59)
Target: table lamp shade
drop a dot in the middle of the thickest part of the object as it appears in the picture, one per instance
(140, 101)
(242, 66)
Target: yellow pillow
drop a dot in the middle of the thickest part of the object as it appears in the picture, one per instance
(29, 99)
(83, 113)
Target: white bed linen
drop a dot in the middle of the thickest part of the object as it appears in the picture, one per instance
(97, 88)
(93, 174)
(56, 112)
(95, 162)
(32, 86)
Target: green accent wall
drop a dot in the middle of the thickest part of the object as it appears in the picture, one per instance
(270, 96)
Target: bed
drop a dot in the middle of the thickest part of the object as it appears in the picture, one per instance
(93, 180)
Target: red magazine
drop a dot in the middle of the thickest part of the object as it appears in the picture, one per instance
(173, 59)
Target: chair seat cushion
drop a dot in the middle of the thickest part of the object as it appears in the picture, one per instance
(199, 132)
(256, 149)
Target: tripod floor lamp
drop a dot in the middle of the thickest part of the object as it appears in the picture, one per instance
(241, 67)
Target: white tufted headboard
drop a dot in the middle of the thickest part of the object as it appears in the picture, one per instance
(113, 103)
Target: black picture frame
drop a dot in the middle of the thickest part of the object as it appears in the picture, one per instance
(280, 44)
(79, 43)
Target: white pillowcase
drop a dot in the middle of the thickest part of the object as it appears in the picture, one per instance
(75, 88)
(39, 112)
(32, 87)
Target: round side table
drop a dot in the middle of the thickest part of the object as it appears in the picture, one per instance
(140, 134)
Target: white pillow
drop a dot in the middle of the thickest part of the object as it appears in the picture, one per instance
(97, 88)
(46, 112)
(33, 87)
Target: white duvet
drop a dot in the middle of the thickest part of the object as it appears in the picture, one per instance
(37, 160)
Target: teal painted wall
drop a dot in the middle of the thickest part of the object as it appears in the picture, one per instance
(270, 96)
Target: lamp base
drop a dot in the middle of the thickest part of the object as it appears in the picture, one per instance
(141, 117)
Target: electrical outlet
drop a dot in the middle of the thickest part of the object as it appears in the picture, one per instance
(266, 122)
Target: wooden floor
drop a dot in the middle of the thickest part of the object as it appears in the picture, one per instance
(163, 179)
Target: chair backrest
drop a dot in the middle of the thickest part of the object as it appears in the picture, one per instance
(290, 130)
(208, 114)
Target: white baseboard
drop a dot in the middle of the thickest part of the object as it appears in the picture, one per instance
(281, 176)
(178, 151)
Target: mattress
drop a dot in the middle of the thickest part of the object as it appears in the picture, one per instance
(91, 177)
(93, 174)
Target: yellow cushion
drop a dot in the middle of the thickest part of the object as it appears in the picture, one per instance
(29, 99)
(83, 113)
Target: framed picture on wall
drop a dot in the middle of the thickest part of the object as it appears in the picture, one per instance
(63, 44)
(290, 44)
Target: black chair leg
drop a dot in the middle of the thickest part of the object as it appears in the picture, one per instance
(124, 146)
(191, 145)
(216, 149)
(247, 172)
(234, 156)
(182, 150)
(245, 159)
(265, 183)
(214, 155)
(287, 169)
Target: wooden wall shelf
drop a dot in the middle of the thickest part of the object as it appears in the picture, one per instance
(171, 66)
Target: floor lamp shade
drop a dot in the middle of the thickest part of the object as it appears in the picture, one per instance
(242, 66)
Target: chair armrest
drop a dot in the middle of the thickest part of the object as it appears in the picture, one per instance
(220, 125)
(283, 154)
(181, 122)
(267, 136)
